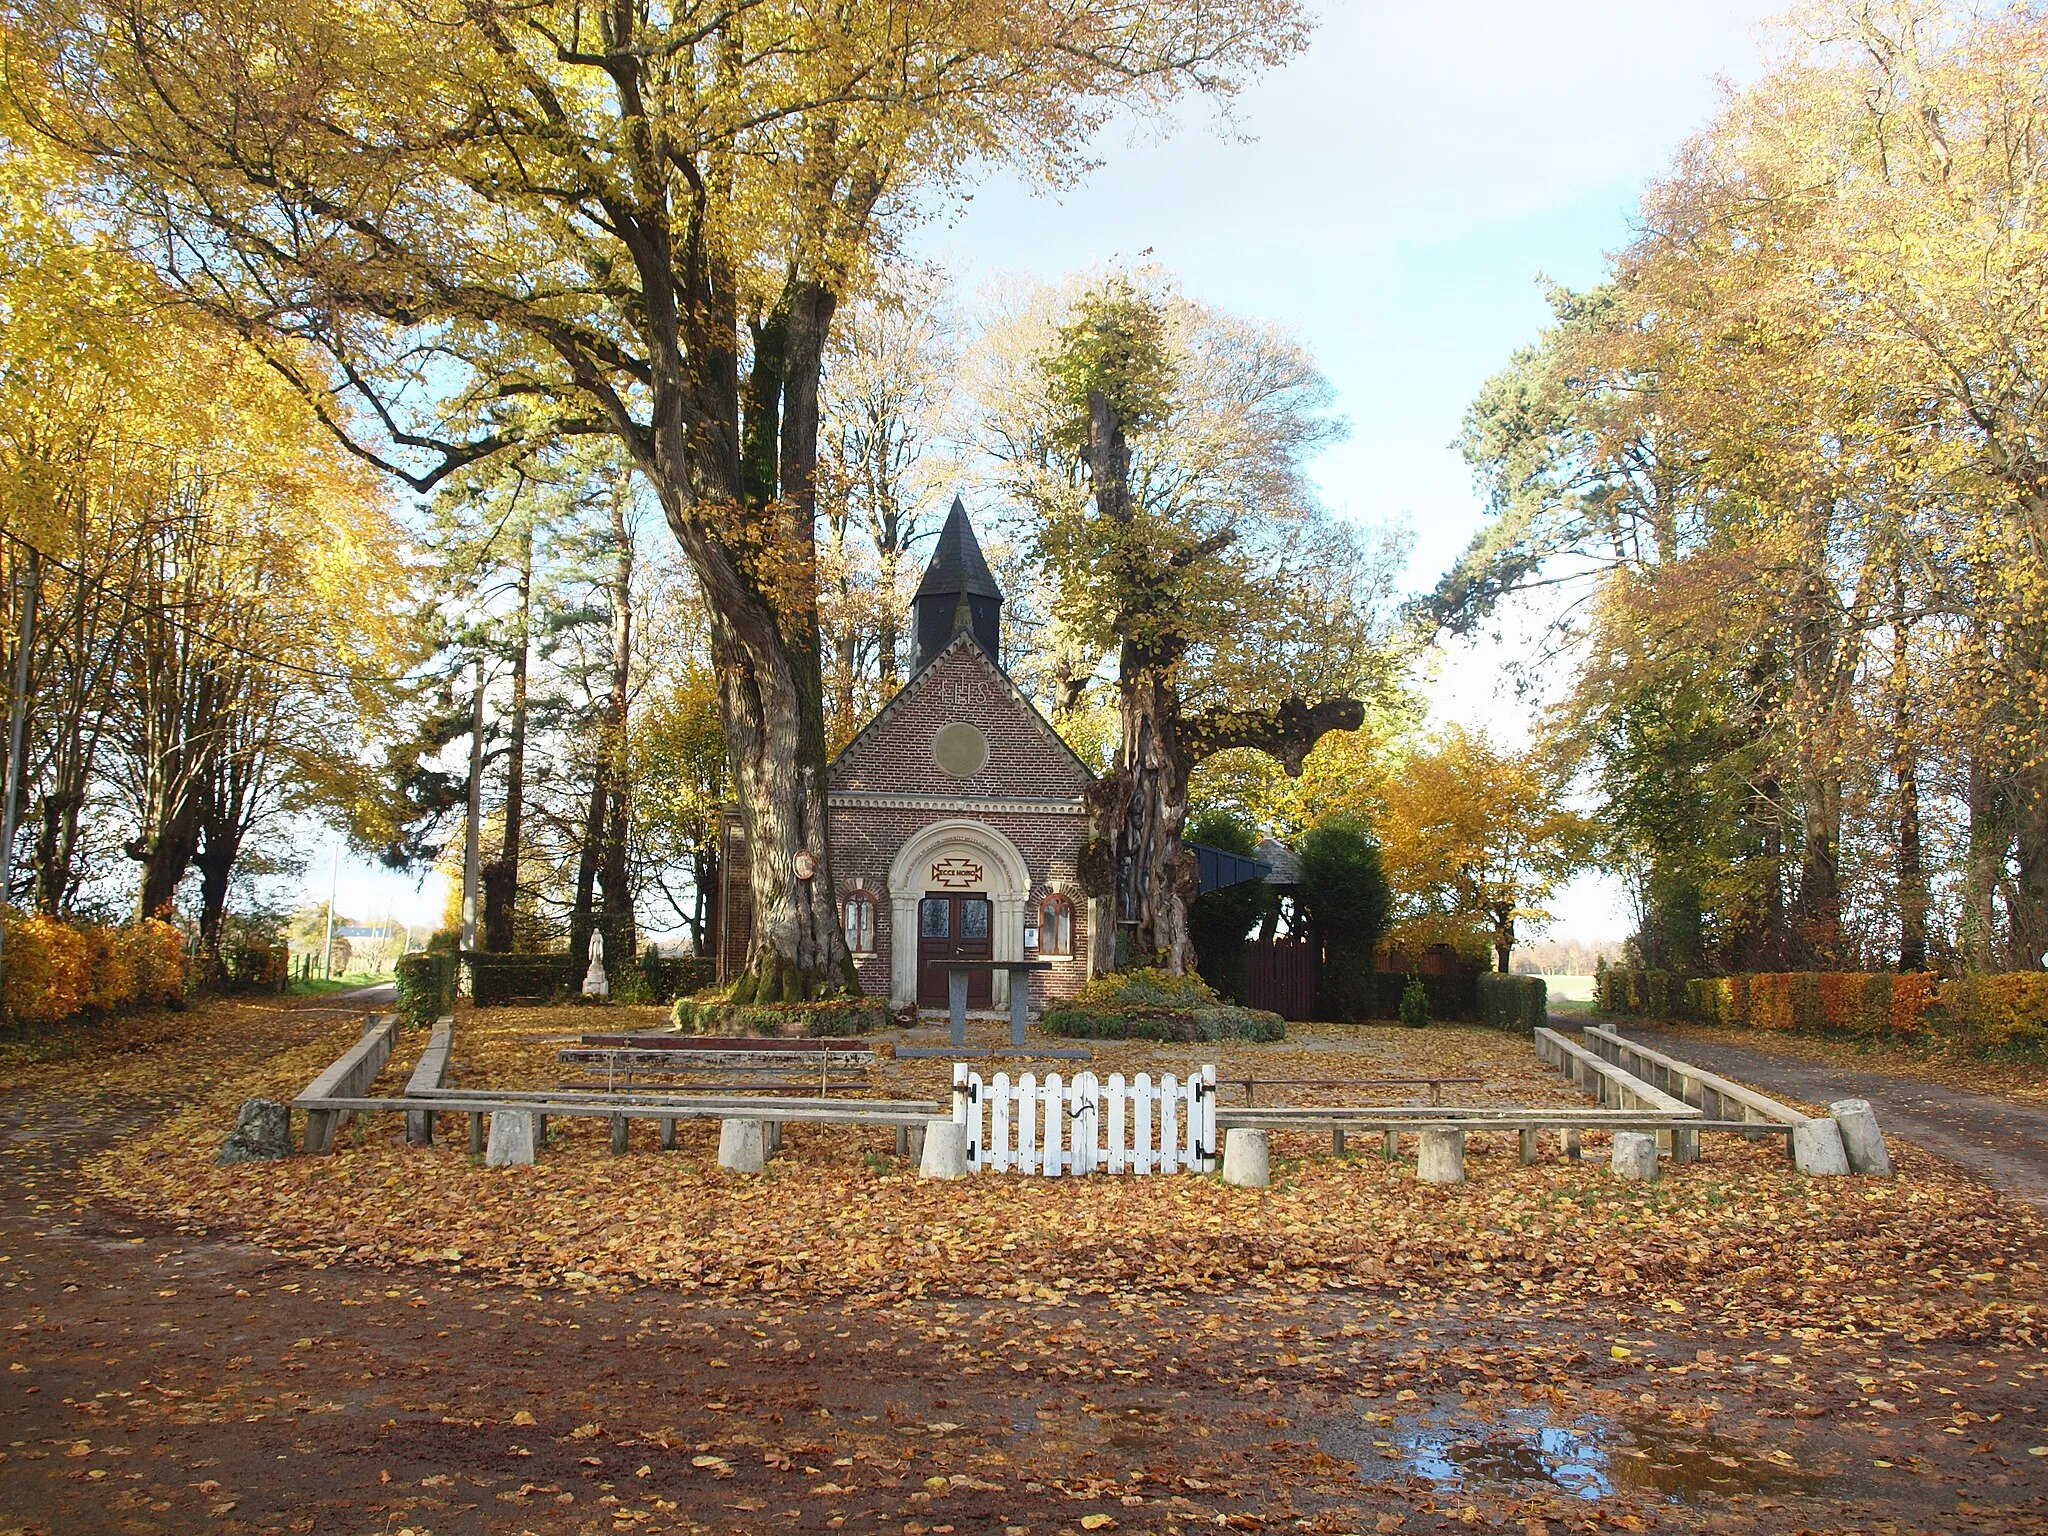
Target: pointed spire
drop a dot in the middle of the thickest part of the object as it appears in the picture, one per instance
(958, 593)
(957, 564)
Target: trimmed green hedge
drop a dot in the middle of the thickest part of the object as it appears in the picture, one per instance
(832, 1018)
(1225, 1021)
(1519, 1004)
(496, 979)
(1453, 999)
(426, 987)
(669, 978)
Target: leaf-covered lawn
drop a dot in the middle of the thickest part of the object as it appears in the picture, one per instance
(1736, 1239)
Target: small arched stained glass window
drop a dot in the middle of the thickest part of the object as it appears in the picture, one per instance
(1056, 926)
(860, 923)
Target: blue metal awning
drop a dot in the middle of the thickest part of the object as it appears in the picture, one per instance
(1220, 869)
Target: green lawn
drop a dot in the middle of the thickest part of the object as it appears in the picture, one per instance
(342, 983)
(1570, 989)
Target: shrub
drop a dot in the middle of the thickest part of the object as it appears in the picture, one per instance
(668, 978)
(831, 1018)
(1223, 1021)
(154, 952)
(1344, 891)
(1453, 997)
(1520, 1004)
(1152, 1004)
(426, 985)
(48, 969)
(1145, 988)
(111, 981)
(259, 965)
(496, 979)
(1415, 1004)
(1996, 1014)
(1912, 1001)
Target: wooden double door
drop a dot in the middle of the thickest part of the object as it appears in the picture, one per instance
(953, 926)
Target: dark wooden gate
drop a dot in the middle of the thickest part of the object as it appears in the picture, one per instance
(1281, 976)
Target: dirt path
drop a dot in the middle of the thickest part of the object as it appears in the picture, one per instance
(2002, 1141)
(158, 1381)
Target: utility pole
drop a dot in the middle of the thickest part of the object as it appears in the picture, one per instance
(472, 878)
(333, 887)
(17, 723)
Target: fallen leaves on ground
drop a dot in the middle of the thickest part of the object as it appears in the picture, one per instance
(1738, 1237)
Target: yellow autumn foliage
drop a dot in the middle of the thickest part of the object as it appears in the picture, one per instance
(55, 969)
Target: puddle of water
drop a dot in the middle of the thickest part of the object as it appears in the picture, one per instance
(1586, 1458)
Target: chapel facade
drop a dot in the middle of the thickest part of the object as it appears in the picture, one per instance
(956, 815)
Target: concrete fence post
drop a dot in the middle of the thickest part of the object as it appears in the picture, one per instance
(1862, 1141)
(1441, 1156)
(514, 1138)
(1246, 1159)
(1817, 1149)
(1635, 1155)
(945, 1150)
(740, 1148)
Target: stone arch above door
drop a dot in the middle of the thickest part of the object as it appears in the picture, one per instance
(955, 855)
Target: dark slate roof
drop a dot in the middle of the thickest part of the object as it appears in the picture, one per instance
(1282, 862)
(957, 563)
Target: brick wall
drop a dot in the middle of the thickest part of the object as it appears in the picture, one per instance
(864, 844)
(1026, 758)
(893, 757)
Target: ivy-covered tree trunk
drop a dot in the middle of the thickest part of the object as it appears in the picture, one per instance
(501, 875)
(613, 876)
(1154, 880)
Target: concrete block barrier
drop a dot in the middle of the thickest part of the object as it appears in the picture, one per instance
(1247, 1159)
(1862, 1141)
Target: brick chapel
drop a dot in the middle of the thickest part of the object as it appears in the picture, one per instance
(955, 815)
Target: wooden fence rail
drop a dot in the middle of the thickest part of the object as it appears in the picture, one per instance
(431, 1072)
(351, 1072)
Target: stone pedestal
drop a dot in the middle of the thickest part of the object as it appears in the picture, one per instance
(263, 1131)
(1441, 1157)
(514, 1135)
(740, 1146)
(1817, 1149)
(945, 1151)
(1246, 1159)
(1635, 1155)
(1862, 1142)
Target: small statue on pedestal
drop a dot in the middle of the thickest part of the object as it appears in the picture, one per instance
(595, 982)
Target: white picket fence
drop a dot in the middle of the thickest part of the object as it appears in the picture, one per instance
(1050, 1128)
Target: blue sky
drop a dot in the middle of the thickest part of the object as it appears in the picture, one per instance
(1393, 195)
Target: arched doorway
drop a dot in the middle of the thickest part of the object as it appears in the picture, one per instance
(961, 865)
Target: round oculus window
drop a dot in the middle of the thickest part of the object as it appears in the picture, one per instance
(960, 749)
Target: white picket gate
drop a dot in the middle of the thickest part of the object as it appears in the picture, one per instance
(1084, 1126)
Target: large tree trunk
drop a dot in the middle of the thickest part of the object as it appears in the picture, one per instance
(1910, 873)
(1819, 908)
(1153, 888)
(762, 611)
(1989, 842)
(588, 857)
(613, 876)
(501, 875)
(2027, 900)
